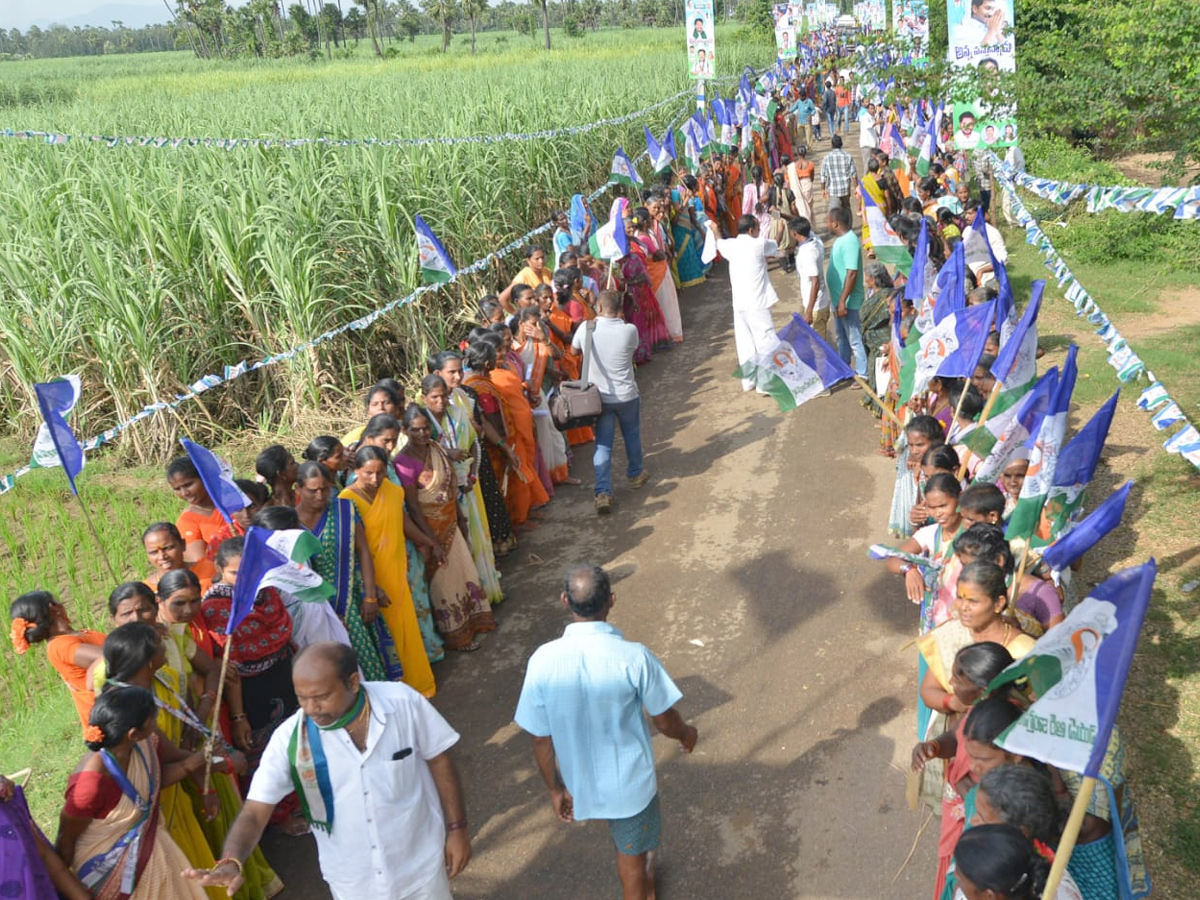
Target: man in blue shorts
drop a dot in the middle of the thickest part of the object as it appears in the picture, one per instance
(582, 701)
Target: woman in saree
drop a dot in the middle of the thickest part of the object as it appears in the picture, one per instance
(37, 617)
(581, 222)
(383, 431)
(454, 431)
(134, 656)
(973, 668)
(537, 356)
(460, 606)
(260, 649)
(449, 365)
(111, 829)
(874, 188)
(733, 193)
(643, 272)
(688, 215)
(344, 561)
(164, 548)
(201, 523)
(800, 173)
(756, 200)
(562, 235)
(561, 316)
(382, 399)
(534, 273)
(30, 869)
(380, 504)
(667, 295)
(502, 402)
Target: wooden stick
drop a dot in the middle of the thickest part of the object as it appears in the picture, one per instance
(216, 714)
(1019, 577)
(983, 417)
(87, 517)
(874, 396)
(1070, 834)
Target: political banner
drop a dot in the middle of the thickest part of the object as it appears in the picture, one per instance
(981, 36)
(910, 22)
(785, 32)
(700, 44)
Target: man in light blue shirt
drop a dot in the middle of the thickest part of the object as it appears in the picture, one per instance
(582, 701)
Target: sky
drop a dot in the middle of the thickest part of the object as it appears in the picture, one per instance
(23, 13)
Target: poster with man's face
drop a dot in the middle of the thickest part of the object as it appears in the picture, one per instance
(978, 128)
(698, 24)
(981, 30)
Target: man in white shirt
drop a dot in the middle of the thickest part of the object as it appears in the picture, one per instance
(610, 369)
(376, 783)
(868, 136)
(975, 250)
(810, 269)
(753, 296)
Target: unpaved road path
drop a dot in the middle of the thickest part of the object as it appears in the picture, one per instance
(743, 566)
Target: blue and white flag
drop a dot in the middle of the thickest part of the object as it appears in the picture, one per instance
(217, 476)
(950, 349)
(610, 242)
(436, 265)
(1184, 439)
(55, 399)
(997, 441)
(623, 171)
(798, 368)
(45, 454)
(950, 286)
(888, 247)
(914, 289)
(1153, 397)
(661, 155)
(1088, 532)
(1168, 416)
(1077, 671)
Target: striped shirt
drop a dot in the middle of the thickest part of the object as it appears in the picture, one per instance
(837, 171)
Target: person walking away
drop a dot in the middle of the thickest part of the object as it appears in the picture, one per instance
(829, 106)
(377, 784)
(846, 290)
(582, 701)
(610, 369)
(800, 179)
(810, 269)
(839, 176)
(753, 295)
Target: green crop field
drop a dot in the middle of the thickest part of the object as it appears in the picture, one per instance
(142, 269)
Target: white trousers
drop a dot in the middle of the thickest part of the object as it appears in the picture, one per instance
(753, 333)
(437, 888)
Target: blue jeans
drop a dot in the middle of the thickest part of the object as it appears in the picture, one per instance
(629, 415)
(849, 337)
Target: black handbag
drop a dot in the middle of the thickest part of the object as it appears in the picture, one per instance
(576, 404)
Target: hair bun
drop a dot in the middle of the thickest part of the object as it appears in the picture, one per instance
(93, 734)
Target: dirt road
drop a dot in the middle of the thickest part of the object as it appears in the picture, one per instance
(743, 566)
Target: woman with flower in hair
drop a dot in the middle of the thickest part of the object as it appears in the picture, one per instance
(111, 832)
(38, 618)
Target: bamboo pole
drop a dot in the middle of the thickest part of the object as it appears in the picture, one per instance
(862, 382)
(1070, 834)
(983, 417)
(216, 715)
(87, 517)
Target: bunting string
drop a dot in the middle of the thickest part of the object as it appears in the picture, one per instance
(232, 373)
(1184, 200)
(174, 143)
(1155, 399)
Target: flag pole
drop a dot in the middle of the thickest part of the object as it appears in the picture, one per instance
(862, 382)
(1070, 834)
(983, 417)
(216, 714)
(87, 517)
(1020, 575)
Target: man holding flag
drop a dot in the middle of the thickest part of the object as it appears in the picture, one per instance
(370, 763)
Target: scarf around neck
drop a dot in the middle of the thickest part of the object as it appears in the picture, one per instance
(310, 768)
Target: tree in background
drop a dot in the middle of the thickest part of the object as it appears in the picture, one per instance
(443, 13)
(473, 9)
(544, 6)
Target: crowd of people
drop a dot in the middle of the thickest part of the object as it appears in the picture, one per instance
(409, 512)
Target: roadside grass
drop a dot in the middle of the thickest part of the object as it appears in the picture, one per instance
(1160, 715)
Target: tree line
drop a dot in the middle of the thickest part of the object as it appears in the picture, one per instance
(214, 29)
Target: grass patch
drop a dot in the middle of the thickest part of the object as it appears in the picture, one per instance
(1160, 715)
